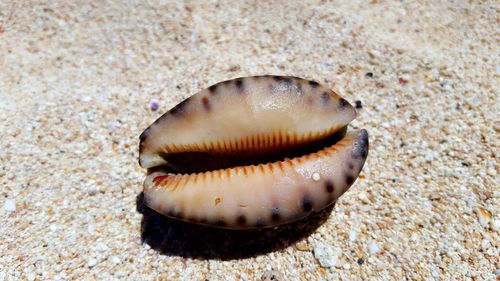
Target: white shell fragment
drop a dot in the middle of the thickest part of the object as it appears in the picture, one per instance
(9, 205)
(252, 152)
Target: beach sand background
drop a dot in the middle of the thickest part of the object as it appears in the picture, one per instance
(77, 79)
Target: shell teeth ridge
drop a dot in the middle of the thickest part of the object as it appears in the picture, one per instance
(253, 143)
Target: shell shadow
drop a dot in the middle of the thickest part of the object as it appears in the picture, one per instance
(176, 238)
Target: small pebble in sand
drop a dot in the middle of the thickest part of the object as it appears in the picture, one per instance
(484, 216)
(101, 247)
(154, 105)
(361, 261)
(358, 104)
(408, 68)
(303, 246)
(369, 74)
(9, 205)
(115, 259)
(373, 248)
(326, 255)
(497, 272)
(91, 262)
(447, 87)
(31, 276)
(496, 225)
(270, 275)
(430, 156)
(352, 235)
(86, 98)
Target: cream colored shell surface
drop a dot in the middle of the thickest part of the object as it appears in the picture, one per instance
(246, 114)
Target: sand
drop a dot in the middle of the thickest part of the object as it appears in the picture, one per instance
(76, 85)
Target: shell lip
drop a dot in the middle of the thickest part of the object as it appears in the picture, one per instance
(354, 145)
(200, 162)
(268, 153)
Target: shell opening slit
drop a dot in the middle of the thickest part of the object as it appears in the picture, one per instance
(252, 152)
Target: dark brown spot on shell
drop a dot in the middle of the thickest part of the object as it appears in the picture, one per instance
(144, 134)
(283, 79)
(217, 201)
(239, 85)
(350, 166)
(212, 89)
(206, 103)
(299, 87)
(275, 216)
(329, 186)
(360, 149)
(325, 97)
(307, 204)
(259, 223)
(314, 84)
(180, 108)
(349, 179)
(241, 220)
(179, 215)
(141, 148)
(221, 222)
(343, 103)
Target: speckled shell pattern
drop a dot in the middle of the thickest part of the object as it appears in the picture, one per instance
(247, 119)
